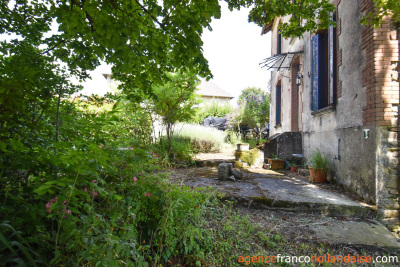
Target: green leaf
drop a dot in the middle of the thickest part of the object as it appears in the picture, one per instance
(117, 197)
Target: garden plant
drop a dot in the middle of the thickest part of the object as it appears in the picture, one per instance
(82, 181)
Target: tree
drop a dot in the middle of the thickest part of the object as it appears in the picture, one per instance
(308, 15)
(141, 39)
(383, 8)
(175, 100)
(256, 106)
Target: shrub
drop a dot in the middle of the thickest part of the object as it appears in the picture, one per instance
(181, 150)
(250, 156)
(233, 137)
(203, 139)
(213, 109)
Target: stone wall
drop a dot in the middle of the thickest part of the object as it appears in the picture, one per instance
(381, 79)
(284, 145)
(387, 173)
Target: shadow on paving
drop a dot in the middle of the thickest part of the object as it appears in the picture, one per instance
(346, 220)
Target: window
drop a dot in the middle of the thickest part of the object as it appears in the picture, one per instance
(278, 105)
(322, 69)
(279, 43)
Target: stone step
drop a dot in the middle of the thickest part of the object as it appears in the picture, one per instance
(295, 194)
(212, 163)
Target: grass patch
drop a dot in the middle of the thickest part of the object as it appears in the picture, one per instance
(203, 139)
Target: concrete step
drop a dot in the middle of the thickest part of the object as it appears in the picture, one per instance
(297, 194)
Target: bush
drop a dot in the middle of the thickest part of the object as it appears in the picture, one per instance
(214, 109)
(203, 139)
(250, 156)
(181, 150)
(233, 137)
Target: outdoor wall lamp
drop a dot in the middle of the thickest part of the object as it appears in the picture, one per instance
(298, 78)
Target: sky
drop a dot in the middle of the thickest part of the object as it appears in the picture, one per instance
(234, 49)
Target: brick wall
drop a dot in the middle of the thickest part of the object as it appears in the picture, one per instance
(380, 78)
(382, 55)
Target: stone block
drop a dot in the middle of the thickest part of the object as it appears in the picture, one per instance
(393, 192)
(223, 171)
(389, 204)
(390, 221)
(289, 143)
(392, 181)
(238, 174)
(389, 213)
(230, 165)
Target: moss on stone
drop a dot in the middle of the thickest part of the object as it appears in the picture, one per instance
(238, 164)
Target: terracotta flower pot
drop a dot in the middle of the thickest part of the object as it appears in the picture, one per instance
(277, 164)
(317, 175)
(294, 168)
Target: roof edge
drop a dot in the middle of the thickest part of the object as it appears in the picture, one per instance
(266, 28)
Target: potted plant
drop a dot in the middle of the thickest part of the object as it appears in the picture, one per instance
(276, 163)
(319, 166)
(293, 167)
(242, 147)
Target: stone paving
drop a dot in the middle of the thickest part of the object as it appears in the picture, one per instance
(267, 189)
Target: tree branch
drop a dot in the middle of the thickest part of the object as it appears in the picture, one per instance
(151, 16)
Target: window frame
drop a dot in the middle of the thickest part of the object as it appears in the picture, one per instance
(323, 70)
(279, 42)
(278, 104)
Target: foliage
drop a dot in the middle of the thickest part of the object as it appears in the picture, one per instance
(235, 117)
(233, 137)
(174, 101)
(175, 152)
(250, 156)
(152, 34)
(293, 163)
(213, 109)
(319, 161)
(73, 158)
(382, 9)
(256, 142)
(309, 15)
(96, 200)
(187, 140)
(256, 106)
(203, 139)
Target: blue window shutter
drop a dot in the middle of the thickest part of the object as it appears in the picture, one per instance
(314, 72)
(279, 48)
(278, 104)
(331, 48)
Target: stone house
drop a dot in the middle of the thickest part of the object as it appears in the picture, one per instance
(210, 93)
(338, 91)
(207, 90)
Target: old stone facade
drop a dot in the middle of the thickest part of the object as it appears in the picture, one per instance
(347, 102)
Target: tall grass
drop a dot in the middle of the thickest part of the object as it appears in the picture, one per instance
(188, 139)
(203, 139)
